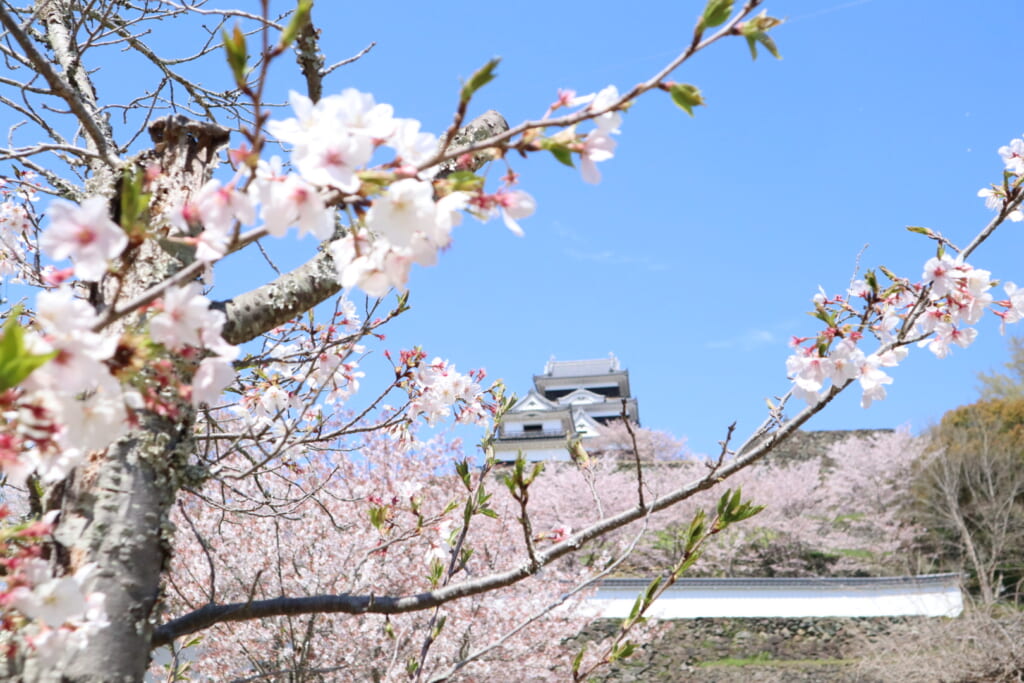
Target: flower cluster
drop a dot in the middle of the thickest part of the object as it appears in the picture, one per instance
(52, 616)
(186, 323)
(438, 391)
(938, 312)
(998, 197)
(16, 227)
(72, 404)
(598, 144)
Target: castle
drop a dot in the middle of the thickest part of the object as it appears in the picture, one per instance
(569, 401)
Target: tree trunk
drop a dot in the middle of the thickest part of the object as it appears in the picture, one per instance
(116, 513)
(115, 508)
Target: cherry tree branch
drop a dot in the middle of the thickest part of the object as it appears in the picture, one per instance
(500, 140)
(80, 97)
(212, 614)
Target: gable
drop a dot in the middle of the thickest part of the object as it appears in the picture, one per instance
(581, 397)
(533, 402)
(585, 425)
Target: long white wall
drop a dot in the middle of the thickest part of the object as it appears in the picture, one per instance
(929, 597)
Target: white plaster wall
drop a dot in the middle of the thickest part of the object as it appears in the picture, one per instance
(691, 603)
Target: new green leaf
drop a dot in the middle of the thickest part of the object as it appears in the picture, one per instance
(238, 55)
(300, 17)
(686, 96)
(16, 361)
(479, 79)
(717, 12)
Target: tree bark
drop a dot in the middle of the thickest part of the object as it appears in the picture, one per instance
(115, 508)
(116, 513)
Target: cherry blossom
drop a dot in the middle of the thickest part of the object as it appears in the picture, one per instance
(513, 205)
(214, 375)
(286, 200)
(186, 318)
(597, 146)
(1013, 156)
(441, 391)
(85, 234)
(405, 209)
(872, 380)
(1015, 306)
(367, 264)
(609, 121)
(411, 145)
(215, 210)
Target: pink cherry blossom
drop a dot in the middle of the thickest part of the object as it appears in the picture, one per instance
(287, 200)
(85, 234)
(1013, 156)
(515, 204)
(941, 273)
(185, 314)
(333, 160)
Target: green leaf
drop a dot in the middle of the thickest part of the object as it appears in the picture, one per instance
(578, 660)
(764, 39)
(919, 229)
(687, 562)
(825, 317)
(723, 503)
(696, 531)
(652, 589)
(872, 281)
(756, 31)
(442, 620)
(436, 572)
(465, 180)
(462, 469)
(479, 79)
(686, 96)
(717, 12)
(16, 361)
(134, 201)
(378, 515)
(238, 55)
(622, 651)
(637, 606)
(559, 150)
(563, 155)
(300, 17)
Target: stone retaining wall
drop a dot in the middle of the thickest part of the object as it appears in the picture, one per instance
(715, 650)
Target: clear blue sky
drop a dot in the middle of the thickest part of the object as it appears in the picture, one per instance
(696, 258)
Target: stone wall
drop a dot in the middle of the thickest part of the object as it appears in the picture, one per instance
(741, 650)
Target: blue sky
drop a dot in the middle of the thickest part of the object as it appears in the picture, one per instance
(695, 259)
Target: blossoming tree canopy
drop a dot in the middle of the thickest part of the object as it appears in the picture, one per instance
(129, 391)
